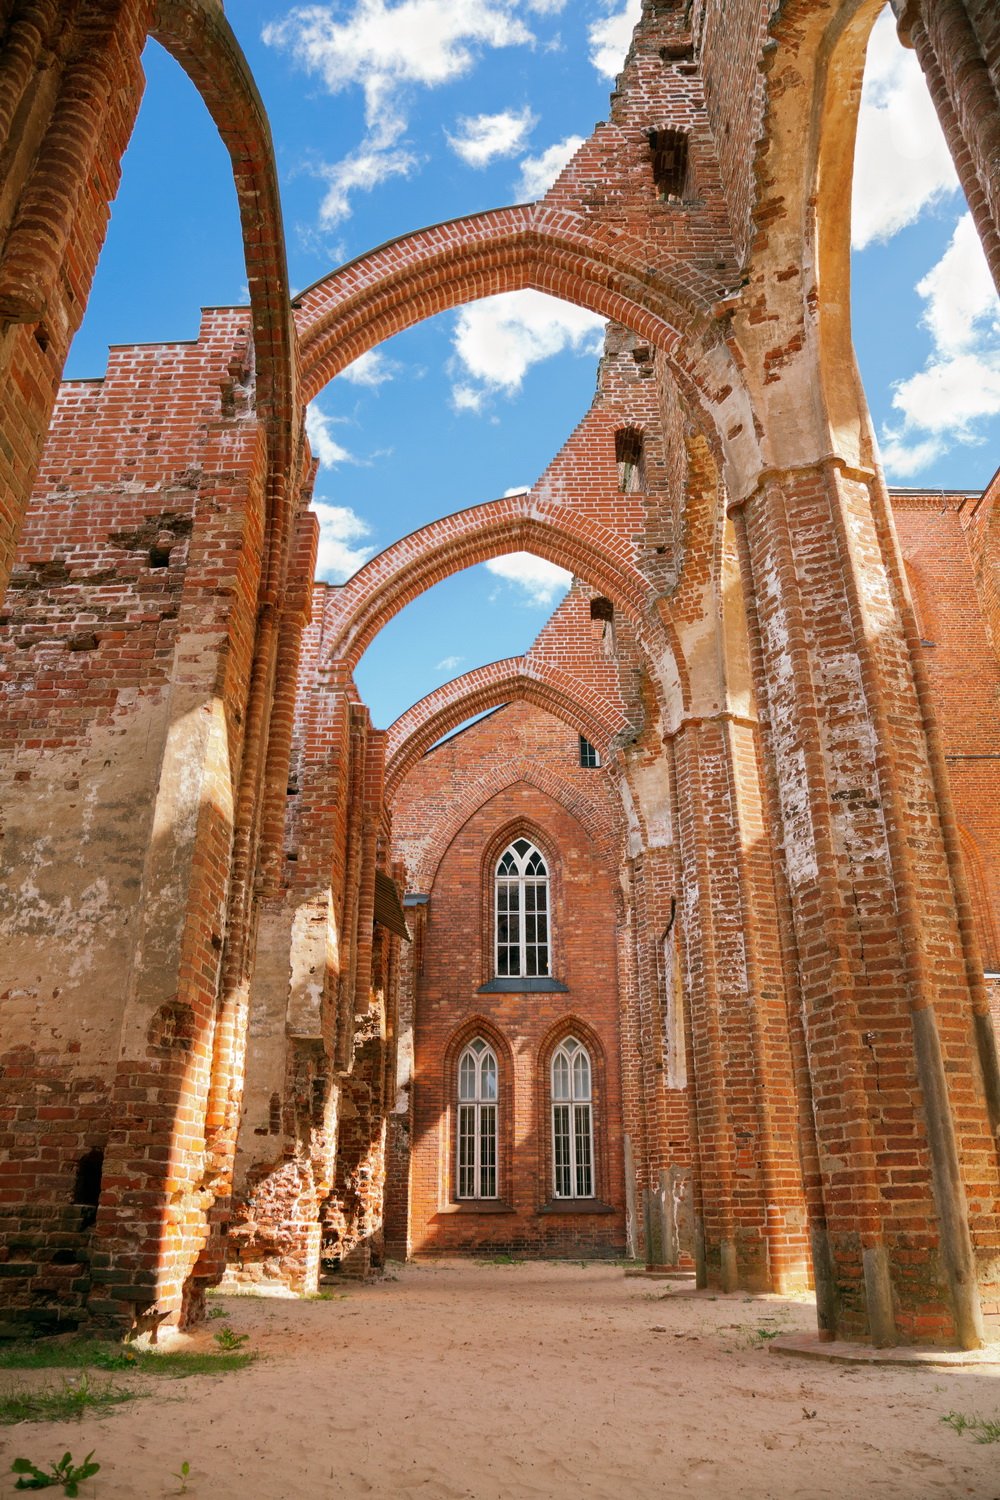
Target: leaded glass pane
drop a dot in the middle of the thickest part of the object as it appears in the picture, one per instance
(467, 1151)
(581, 1075)
(488, 1074)
(467, 1076)
(521, 847)
(560, 1077)
(584, 1175)
(561, 1146)
(487, 1151)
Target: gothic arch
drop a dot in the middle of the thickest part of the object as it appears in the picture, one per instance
(361, 607)
(599, 824)
(415, 731)
(510, 249)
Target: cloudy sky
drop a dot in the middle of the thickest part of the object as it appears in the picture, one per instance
(390, 114)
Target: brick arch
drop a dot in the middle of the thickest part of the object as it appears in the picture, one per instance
(198, 36)
(385, 585)
(598, 821)
(503, 250)
(421, 726)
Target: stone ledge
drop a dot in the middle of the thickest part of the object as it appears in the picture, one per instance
(840, 1352)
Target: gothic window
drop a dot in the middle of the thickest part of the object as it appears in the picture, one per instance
(522, 912)
(572, 1121)
(478, 1090)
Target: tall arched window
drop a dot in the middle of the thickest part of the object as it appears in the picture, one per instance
(572, 1121)
(522, 912)
(478, 1088)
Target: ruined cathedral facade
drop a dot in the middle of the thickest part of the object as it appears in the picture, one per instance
(685, 949)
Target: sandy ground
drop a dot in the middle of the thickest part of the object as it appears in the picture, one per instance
(535, 1379)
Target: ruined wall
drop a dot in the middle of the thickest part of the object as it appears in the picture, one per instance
(124, 663)
(942, 537)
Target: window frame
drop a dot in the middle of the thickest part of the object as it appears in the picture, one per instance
(569, 1051)
(521, 882)
(476, 1104)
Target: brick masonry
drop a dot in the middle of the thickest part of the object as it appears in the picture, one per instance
(213, 1054)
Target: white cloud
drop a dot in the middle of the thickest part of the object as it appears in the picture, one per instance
(448, 663)
(386, 49)
(539, 582)
(497, 340)
(950, 395)
(959, 387)
(519, 489)
(484, 138)
(611, 38)
(538, 173)
(374, 162)
(467, 398)
(960, 293)
(371, 369)
(901, 162)
(381, 47)
(322, 441)
(339, 527)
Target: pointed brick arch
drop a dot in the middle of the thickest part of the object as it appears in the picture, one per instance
(595, 815)
(415, 731)
(504, 250)
(575, 541)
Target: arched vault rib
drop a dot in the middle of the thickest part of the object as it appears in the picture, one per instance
(558, 693)
(197, 34)
(562, 535)
(509, 249)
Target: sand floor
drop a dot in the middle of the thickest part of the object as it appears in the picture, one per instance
(533, 1379)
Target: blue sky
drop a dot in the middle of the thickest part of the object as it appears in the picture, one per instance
(390, 114)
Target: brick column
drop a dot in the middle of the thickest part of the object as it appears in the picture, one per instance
(744, 1107)
(905, 1152)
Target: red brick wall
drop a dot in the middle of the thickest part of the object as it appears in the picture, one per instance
(456, 959)
(125, 654)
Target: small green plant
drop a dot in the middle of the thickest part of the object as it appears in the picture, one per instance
(983, 1430)
(764, 1335)
(183, 1474)
(216, 1312)
(228, 1339)
(65, 1472)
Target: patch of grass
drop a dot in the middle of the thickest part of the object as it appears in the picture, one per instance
(216, 1312)
(60, 1403)
(92, 1354)
(502, 1260)
(982, 1429)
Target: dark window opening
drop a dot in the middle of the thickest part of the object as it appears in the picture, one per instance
(669, 153)
(589, 757)
(601, 609)
(87, 1185)
(629, 458)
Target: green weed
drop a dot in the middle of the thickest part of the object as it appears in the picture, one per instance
(982, 1429)
(229, 1340)
(65, 1472)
